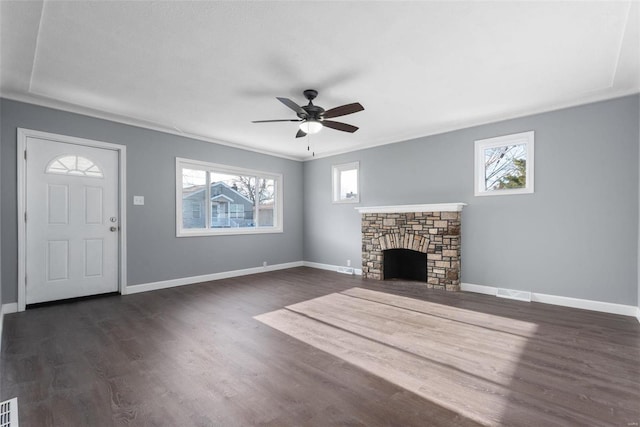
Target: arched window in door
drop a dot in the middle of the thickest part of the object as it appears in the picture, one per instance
(74, 165)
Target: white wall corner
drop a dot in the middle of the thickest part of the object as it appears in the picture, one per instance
(585, 304)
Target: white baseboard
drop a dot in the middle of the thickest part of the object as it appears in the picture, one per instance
(11, 307)
(605, 307)
(638, 314)
(478, 289)
(357, 271)
(146, 287)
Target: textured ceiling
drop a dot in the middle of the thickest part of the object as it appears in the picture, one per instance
(207, 69)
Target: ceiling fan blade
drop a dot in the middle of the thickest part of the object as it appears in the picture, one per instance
(279, 120)
(339, 126)
(295, 107)
(300, 133)
(343, 110)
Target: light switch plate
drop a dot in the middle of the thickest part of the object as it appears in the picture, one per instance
(138, 200)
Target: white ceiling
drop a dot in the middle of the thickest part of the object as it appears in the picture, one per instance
(207, 69)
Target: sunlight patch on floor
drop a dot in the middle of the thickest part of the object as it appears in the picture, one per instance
(433, 350)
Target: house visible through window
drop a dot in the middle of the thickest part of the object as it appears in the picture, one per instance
(234, 200)
(196, 209)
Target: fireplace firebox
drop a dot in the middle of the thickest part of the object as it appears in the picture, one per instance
(404, 264)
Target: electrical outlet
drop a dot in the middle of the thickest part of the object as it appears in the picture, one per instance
(138, 200)
(348, 263)
(264, 263)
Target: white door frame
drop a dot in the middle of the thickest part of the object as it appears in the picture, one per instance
(121, 150)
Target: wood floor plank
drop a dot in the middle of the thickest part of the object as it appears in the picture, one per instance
(195, 356)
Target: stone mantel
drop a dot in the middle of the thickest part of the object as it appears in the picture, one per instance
(434, 207)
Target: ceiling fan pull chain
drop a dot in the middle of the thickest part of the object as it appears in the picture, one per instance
(313, 153)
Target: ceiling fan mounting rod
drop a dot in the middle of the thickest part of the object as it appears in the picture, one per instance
(310, 94)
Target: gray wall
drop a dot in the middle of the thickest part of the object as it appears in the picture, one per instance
(1, 127)
(153, 251)
(576, 236)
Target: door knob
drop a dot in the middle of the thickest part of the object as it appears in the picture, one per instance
(113, 228)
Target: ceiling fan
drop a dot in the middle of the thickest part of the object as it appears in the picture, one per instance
(313, 118)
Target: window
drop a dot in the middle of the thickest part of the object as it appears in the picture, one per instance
(504, 165)
(196, 209)
(215, 199)
(74, 165)
(236, 211)
(345, 182)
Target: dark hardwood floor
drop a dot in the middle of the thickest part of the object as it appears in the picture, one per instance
(195, 356)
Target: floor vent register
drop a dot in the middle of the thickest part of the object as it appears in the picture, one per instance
(9, 413)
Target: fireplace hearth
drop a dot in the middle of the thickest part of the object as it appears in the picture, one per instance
(428, 232)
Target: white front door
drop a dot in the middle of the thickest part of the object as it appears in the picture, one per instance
(72, 224)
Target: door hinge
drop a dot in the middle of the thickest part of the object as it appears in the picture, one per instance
(25, 217)
(25, 154)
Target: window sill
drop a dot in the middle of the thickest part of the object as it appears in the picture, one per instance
(504, 192)
(228, 232)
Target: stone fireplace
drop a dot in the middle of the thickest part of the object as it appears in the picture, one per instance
(430, 231)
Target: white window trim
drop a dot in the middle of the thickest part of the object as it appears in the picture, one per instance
(336, 170)
(232, 170)
(526, 138)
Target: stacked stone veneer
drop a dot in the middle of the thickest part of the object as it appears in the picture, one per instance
(437, 234)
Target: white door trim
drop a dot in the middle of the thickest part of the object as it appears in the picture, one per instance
(23, 134)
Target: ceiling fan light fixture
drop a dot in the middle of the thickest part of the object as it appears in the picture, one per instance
(310, 126)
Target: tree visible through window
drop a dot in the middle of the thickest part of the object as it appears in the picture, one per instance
(504, 165)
